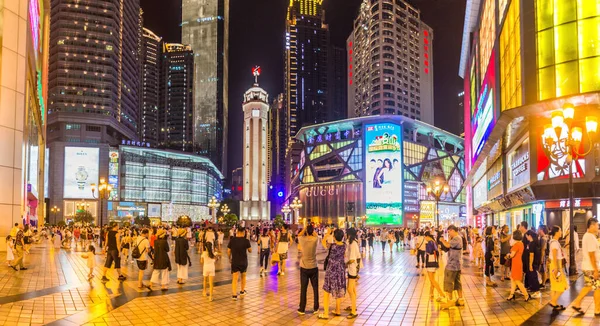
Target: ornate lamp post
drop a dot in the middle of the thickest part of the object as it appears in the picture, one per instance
(213, 204)
(562, 140)
(436, 190)
(286, 210)
(296, 205)
(104, 190)
(54, 210)
(225, 209)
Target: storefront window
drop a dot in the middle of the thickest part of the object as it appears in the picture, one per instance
(510, 58)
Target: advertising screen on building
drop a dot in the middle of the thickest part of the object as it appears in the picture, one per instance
(517, 166)
(383, 174)
(113, 173)
(484, 117)
(81, 170)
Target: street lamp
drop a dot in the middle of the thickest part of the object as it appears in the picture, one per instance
(54, 210)
(436, 190)
(296, 205)
(561, 141)
(104, 190)
(225, 209)
(213, 204)
(286, 211)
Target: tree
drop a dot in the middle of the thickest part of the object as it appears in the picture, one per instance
(278, 221)
(142, 221)
(230, 220)
(184, 221)
(83, 217)
(61, 223)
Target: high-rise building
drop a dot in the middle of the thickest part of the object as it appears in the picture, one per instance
(306, 64)
(149, 104)
(177, 97)
(255, 205)
(390, 62)
(93, 89)
(23, 78)
(278, 142)
(205, 28)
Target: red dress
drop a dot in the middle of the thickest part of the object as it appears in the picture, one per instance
(516, 268)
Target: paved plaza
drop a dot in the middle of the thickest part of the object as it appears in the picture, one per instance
(55, 290)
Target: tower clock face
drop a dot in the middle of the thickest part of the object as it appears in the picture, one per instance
(255, 113)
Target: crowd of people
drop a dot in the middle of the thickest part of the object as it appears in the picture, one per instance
(527, 257)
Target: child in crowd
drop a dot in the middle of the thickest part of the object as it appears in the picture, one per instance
(10, 256)
(90, 256)
(478, 252)
(208, 259)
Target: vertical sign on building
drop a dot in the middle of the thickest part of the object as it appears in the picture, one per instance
(113, 173)
(384, 174)
(426, 50)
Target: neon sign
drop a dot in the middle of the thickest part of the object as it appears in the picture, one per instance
(34, 24)
(484, 117)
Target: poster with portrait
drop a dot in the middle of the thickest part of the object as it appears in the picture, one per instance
(383, 174)
(553, 162)
(81, 170)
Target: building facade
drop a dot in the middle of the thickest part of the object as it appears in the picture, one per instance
(93, 90)
(149, 104)
(24, 29)
(390, 62)
(374, 171)
(522, 61)
(255, 205)
(176, 102)
(205, 27)
(306, 73)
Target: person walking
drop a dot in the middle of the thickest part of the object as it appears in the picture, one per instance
(590, 267)
(489, 255)
(382, 239)
(111, 247)
(544, 253)
(307, 240)
(452, 273)
(10, 255)
(182, 258)
(432, 264)
(143, 246)
(237, 250)
(264, 245)
(335, 278)
(370, 240)
(18, 249)
(162, 263)
(504, 251)
(558, 280)
(283, 242)
(516, 273)
(208, 260)
(391, 238)
(420, 246)
(533, 263)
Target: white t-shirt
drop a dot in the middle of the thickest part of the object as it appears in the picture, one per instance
(589, 244)
(209, 263)
(142, 244)
(210, 236)
(353, 251)
(554, 244)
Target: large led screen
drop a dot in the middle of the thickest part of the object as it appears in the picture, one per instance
(484, 117)
(81, 170)
(383, 174)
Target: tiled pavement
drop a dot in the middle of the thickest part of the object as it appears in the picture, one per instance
(391, 291)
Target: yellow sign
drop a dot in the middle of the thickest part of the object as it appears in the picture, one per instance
(427, 214)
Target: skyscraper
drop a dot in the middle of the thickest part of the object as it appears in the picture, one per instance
(278, 140)
(338, 91)
(93, 91)
(149, 106)
(205, 29)
(390, 65)
(306, 64)
(176, 97)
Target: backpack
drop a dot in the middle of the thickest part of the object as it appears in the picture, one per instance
(135, 253)
(431, 248)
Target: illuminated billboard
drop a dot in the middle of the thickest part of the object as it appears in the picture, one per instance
(484, 116)
(81, 170)
(553, 162)
(113, 173)
(383, 174)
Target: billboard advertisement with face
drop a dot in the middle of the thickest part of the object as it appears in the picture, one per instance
(552, 161)
(384, 177)
(81, 170)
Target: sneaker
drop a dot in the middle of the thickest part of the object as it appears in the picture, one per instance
(460, 302)
(122, 278)
(104, 279)
(282, 273)
(536, 295)
(234, 297)
(243, 293)
(301, 313)
(23, 268)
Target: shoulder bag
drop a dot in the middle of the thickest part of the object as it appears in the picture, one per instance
(327, 258)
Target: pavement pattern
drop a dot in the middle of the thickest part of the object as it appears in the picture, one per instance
(391, 291)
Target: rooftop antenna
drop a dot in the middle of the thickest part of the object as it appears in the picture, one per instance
(256, 73)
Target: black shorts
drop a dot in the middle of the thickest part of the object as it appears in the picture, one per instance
(126, 246)
(142, 264)
(238, 268)
(503, 259)
(352, 277)
(112, 256)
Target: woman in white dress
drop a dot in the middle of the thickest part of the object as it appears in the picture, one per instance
(283, 244)
(10, 256)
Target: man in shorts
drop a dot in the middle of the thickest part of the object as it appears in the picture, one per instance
(143, 245)
(111, 247)
(590, 267)
(452, 280)
(237, 250)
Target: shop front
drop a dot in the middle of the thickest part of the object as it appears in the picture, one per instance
(121, 211)
(557, 212)
(333, 203)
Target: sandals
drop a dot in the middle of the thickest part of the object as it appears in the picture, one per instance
(322, 316)
(352, 316)
(336, 314)
(348, 308)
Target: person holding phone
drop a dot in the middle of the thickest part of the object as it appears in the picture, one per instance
(558, 281)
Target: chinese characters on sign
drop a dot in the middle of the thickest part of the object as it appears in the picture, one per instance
(339, 135)
(135, 143)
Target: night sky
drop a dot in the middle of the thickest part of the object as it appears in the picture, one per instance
(257, 38)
